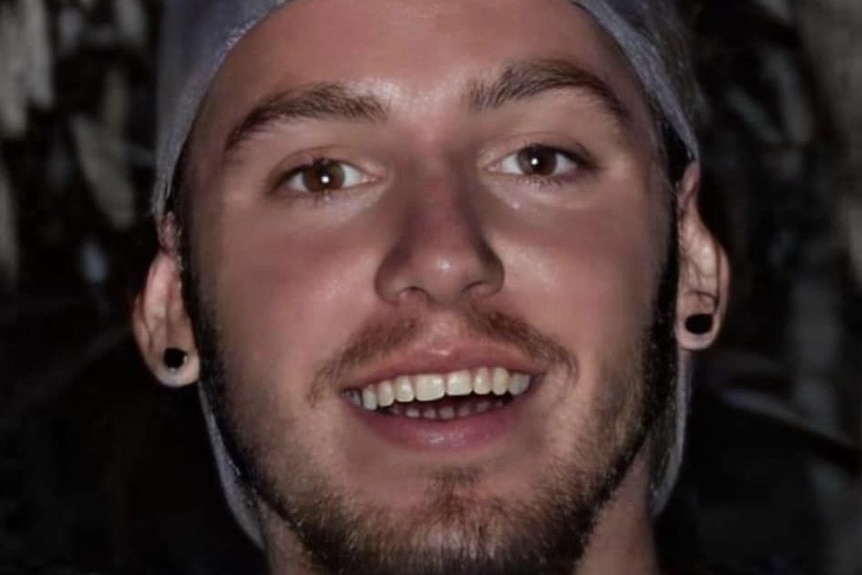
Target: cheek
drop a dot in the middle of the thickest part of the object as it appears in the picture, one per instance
(592, 278)
(286, 299)
(592, 281)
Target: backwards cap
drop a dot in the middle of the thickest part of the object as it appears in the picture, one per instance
(197, 36)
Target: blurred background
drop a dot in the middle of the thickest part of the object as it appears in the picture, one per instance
(102, 471)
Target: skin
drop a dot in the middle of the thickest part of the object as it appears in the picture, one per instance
(439, 227)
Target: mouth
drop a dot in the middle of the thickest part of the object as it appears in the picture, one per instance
(443, 396)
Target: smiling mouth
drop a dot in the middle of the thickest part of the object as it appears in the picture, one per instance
(443, 396)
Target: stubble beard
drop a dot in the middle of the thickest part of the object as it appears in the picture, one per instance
(458, 532)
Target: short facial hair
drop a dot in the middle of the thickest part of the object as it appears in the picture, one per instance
(545, 536)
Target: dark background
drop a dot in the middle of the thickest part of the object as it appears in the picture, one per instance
(103, 471)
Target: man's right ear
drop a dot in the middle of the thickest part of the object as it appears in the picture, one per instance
(160, 322)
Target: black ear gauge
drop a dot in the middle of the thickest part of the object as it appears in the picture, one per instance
(699, 324)
(174, 358)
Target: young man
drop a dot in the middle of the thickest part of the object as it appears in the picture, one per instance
(438, 267)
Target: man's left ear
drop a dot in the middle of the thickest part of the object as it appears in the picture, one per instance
(704, 281)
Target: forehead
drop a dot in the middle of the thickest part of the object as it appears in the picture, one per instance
(416, 52)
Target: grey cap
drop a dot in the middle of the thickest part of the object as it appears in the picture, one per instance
(197, 36)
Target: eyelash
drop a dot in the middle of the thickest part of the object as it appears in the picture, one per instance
(282, 179)
(583, 164)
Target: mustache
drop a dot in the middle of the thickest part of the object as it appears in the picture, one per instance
(377, 340)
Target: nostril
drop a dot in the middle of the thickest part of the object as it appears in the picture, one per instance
(443, 273)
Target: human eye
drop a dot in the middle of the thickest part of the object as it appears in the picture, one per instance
(322, 176)
(542, 163)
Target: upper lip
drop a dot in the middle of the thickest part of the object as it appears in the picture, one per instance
(454, 356)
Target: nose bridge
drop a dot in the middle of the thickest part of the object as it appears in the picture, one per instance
(441, 249)
(441, 217)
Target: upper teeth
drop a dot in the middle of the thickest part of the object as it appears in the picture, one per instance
(433, 386)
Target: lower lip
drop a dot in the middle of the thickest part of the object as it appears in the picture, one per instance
(471, 432)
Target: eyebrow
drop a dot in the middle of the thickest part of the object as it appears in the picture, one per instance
(528, 79)
(334, 101)
(321, 101)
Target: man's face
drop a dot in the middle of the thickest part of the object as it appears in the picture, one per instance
(388, 198)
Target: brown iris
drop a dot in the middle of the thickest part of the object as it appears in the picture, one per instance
(538, 160)
(322, 176)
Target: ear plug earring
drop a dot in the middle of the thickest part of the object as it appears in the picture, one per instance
(174, 358)
(699, 324)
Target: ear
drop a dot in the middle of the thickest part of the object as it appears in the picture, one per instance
(704, 274)
(159, 318)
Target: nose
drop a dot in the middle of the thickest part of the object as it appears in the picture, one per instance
(440, 252)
